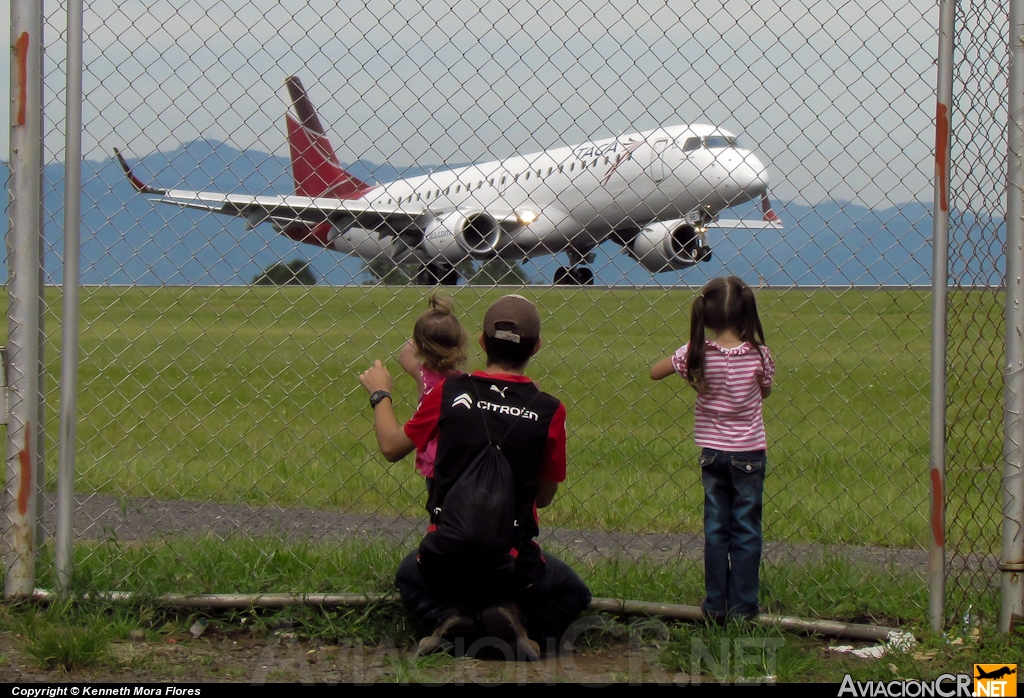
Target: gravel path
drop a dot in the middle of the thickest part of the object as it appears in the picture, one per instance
(128, 519)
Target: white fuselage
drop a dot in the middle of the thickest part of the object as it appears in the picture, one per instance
(577, 196)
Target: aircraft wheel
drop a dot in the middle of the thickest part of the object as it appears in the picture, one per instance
(584, 276)
(564, 277)
(449, 276)
(427, 276)
(701, 253)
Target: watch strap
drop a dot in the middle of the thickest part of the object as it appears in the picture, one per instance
(378, 396)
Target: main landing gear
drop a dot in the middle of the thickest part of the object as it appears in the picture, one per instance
(437, 273)
(577, 273)
(578, 276)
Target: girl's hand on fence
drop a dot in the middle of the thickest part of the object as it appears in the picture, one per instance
(376, 378)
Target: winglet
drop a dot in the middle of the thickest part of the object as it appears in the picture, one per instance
(769, 215)
(135, 181)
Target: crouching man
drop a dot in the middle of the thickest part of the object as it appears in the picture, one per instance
(479, 577)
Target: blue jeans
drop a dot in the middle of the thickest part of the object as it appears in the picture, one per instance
(733, 492)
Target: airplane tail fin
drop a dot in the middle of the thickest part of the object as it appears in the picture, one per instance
(769, 215)
(315, 167)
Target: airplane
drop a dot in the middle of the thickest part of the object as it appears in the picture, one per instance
(655, 193)
(995, 673)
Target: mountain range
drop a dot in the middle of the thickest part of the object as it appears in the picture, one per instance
(127, 239)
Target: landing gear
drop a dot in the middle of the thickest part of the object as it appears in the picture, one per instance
(576, 274)
(437, 273)
(699, 249)
(579, 276)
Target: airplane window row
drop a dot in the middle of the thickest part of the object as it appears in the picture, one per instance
(432, 194)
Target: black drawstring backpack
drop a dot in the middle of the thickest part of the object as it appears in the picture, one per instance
(477, 522)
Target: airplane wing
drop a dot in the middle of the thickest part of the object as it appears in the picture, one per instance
(750, 224)
(288, 210)
(769, 219)
(283, 211)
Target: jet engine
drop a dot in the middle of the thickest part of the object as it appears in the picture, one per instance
(669, 245)
(461, 233)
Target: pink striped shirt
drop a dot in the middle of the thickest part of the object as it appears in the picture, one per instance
(728, 416)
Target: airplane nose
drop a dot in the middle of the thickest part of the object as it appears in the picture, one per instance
(752, 176)
(745, 177)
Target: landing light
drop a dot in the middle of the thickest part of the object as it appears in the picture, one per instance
(527, 217)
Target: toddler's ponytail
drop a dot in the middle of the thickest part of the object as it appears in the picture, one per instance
(438, 337)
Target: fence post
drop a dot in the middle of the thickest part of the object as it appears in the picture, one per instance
(40, 432)
(1012, 563)
(940, 287)
(69, 313)
(24, 249)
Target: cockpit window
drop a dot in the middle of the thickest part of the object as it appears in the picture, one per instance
(721, 142)
(691, 144)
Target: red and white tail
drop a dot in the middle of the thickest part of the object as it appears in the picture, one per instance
(315, 167)
(766, 209)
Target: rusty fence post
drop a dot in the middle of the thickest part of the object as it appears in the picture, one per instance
(940, 288)
(23, 287)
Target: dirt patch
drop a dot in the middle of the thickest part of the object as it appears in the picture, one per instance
(283, 658)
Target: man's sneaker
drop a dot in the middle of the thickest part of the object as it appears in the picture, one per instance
(504, 623)
(455, 626)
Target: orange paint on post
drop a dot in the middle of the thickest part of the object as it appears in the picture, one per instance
(938, 535)
(21, 55)
(942, 154)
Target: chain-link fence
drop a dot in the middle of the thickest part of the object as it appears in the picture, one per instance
(975, 308)
(221, 421)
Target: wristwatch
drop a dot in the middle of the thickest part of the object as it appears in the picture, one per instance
(376, 397)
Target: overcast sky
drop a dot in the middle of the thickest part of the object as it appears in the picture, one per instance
(837, 96)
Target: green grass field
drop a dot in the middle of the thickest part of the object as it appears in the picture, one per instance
(251, 395)
(830, 587)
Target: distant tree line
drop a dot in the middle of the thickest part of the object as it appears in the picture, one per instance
(382, 270)
(492, 271)
(293, 273)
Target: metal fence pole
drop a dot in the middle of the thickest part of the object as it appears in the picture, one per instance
(69, 323)
(23, 242)
(1012, 562)
(940, 281)
(40, 432)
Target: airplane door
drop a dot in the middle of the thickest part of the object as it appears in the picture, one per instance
(658, 167)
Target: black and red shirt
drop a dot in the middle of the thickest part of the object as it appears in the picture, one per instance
(454, 412)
